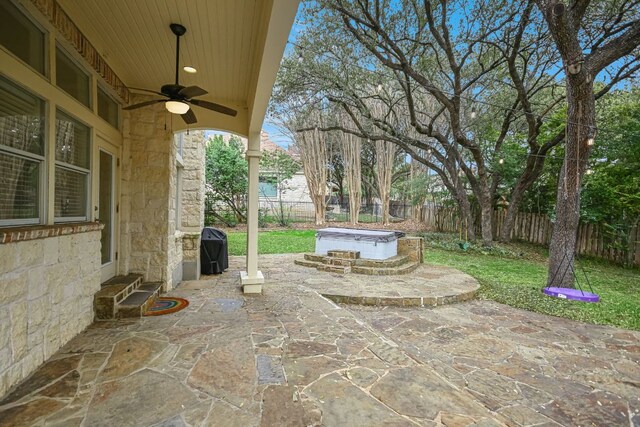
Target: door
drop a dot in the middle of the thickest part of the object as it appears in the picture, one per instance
(105, 209)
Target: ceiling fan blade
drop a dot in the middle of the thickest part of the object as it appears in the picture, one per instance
(147, 90)
(143, 104)
(214, 107)
(189, 117)
(192, 91)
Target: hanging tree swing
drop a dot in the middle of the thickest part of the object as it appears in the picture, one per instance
(464, 245)
(575, 294)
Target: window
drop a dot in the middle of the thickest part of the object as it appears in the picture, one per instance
(107, 108)
(179, 143)
(267, 187)
(71, 78)
(72, 169)
(21, 155)
(21, 36)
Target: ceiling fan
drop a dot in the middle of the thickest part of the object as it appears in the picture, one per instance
(179, 97)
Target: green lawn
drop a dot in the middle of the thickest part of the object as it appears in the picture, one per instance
(517, 282)
(274, 242)
(511, 274)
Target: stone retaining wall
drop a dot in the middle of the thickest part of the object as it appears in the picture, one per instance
(413, 247)
(46, 295)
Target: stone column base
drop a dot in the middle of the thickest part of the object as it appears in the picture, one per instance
(251, 285)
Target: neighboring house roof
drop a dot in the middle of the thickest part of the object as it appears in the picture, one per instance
(266, 144)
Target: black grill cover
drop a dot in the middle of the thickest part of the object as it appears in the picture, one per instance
(214, 254)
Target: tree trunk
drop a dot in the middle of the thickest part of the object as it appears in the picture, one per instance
(486, 222)
(523, 184)
(580, 127)
(351, 150)
(320, 207)
(313, 153)
(465, 212)
(385, 156)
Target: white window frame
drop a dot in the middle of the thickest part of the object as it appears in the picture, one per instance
(82, 69)
(46, 72)
(101, 87)
(41, 158)
(41, 186)
(78, 169)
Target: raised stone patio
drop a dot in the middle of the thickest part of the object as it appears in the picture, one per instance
(293, 358)
(427, 285)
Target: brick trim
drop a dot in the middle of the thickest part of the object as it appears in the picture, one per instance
(21, 234)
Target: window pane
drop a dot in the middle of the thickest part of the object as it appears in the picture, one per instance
(72, 141)
(21, 37)
(106, 201)
(21, 119)
(71, 78)
(71, 193)
(266, 188)
(107, 108)
(18, 187)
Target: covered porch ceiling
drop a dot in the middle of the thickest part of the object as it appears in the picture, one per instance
(236, 46)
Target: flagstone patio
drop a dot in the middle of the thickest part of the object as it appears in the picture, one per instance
(291, 357)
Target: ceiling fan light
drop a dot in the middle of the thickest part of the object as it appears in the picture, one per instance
(176, 107)
(188, 69)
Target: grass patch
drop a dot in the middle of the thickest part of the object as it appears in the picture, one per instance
(518, 282)
(511, 274)
(274, 242)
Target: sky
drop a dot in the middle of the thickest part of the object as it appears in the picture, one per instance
(274, 134)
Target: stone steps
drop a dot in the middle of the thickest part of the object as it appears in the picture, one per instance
(386, 271)
(339, 262)
(139, 301)
(395, 261)
(112, 293)
(124, 296)
(307, 263)
(343, 254)
(341, 269)
(343, 262)
(314, 258)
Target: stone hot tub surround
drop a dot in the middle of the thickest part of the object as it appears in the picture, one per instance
(410, 254)
(372, 244)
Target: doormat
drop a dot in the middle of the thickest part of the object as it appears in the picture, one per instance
(166, 305)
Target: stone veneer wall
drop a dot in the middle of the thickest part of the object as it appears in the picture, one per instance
(148, 163)
(193, 179)
(152, 243)
(192, 197)
(48, 276)
(413, 247)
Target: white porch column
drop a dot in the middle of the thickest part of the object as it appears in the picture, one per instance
(252, 279)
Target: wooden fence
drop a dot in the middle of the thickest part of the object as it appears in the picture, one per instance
(593, 239)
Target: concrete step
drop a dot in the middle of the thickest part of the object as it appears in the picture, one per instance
(386, 271)
(113, 292)
(139, 301)
(395, 261)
